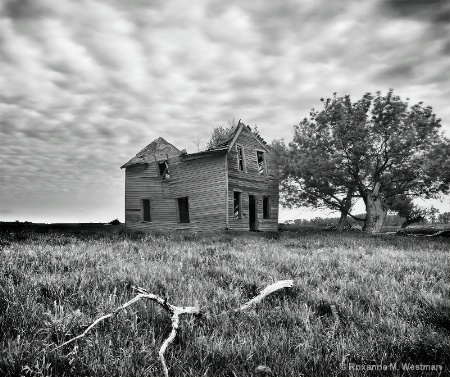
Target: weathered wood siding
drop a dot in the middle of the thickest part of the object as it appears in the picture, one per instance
(142, 182)
(250, 182)
(202, 180)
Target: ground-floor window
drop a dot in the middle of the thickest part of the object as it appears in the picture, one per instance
(145, 210)
(266, 207)
(237, 205)
(183, 210)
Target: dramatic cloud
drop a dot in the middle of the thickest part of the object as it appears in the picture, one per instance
(86, 84)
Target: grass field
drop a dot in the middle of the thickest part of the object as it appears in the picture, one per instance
(391, 296)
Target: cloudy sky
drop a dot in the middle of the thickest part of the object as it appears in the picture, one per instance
(85, 84)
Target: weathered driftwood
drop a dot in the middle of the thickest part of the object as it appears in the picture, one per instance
(175, 312)
(98, 320)
(265, 292)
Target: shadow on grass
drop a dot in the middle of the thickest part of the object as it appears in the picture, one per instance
(438, 317)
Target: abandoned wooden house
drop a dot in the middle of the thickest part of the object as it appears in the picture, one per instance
(232, 186)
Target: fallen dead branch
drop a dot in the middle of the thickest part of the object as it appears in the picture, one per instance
(439, 234)
(403, 233)
(265, 292)
(175, 312)
(424, 233)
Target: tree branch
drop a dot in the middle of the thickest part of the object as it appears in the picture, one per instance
(176, 311)
(265, 292)
(356, 218)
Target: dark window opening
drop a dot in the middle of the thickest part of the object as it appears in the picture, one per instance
(261, 162)
(145, 208)
(163, 170)
(253, 212)
(183, 210)
(237, 214)
(241, 163)
(266, 207)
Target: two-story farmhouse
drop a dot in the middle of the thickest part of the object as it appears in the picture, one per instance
(232, 186)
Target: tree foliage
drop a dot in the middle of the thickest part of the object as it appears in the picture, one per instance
(444, 217)
(220, 134)
(375, 148)
(312, 179)
(433, 214)
(405, 207)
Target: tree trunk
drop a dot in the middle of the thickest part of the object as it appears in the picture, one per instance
(346, 204)
(342, 222)
(376, 210)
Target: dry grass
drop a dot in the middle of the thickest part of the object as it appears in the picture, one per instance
(390, 295)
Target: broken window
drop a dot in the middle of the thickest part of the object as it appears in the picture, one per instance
(183, 210)
(163, 169)
(145, 210)
(241, 162)
(237, 201)
(261, 162)
(266, 207)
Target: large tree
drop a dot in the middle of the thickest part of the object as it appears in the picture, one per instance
(375, 148)
(314, 181)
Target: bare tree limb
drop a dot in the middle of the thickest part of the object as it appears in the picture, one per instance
(265, 292)
(176, 311)
(356, 217)
(98, 320)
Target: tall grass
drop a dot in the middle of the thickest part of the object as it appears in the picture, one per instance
(390, 294)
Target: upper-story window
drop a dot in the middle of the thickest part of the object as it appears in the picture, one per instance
(261, 162)
(241, 158)
(163, 169)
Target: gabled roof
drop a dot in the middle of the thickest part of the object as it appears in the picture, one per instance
(147, 154)
(161, 146)
(231, 140)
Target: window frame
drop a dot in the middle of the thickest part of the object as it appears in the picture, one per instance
(143, 219)
(244, 165)
(239, 196)
(267, 213)
(177, 201)
(264, 173)
(159, 170)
